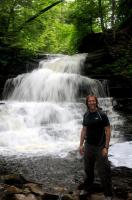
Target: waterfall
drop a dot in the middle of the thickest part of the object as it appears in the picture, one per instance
(41, 111)
(56, 80)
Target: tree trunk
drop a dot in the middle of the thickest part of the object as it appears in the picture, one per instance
(113, 6)
(101, 15)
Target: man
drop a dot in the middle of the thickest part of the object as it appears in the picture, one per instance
(94, 144)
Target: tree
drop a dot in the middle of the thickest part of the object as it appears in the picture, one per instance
(38, 14)
(12, 13)
(124, 13)
(101, 15)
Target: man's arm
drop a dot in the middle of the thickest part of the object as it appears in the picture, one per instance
(82, 138)
(107, 135)
(107, 141)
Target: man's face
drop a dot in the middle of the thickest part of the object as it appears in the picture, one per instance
(92, 103)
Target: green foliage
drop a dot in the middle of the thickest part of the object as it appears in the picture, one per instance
(124, 12)
(62, 28)
(83, 15)
(49, 32)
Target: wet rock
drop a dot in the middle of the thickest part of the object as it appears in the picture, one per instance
(13, 179)
(26, 190)
(34, 188)
(67, 197)
(122, 185)
(75, 195)
(121, 178)
(3, 193)
(48, 196)
(60, 189)
(97, 197)
(122, 181)
(25, 197)
(121, 192)
(12, 189)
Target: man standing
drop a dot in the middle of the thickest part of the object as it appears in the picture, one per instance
(94, 144)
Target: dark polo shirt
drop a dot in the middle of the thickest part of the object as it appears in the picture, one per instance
(95, 123)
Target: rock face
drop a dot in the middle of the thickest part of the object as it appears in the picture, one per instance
(120, 86)
(16, 187)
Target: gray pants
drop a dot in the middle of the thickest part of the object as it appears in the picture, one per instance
(93, 155)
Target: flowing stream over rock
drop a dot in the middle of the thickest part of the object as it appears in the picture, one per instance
(41, 117)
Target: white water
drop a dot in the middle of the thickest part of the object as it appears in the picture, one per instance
(42, 113)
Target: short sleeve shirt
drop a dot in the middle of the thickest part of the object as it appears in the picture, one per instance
(95, 123)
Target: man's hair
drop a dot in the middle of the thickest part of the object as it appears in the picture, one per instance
(97, 103)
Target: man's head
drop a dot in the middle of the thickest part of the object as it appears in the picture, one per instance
(92, 102)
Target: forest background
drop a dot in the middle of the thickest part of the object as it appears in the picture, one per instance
(29, 28)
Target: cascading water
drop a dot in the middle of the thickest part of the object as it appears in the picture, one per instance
(41, 113)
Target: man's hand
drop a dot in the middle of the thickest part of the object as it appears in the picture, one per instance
(81, 149)
(104, 152)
